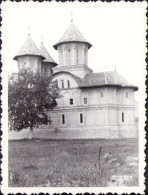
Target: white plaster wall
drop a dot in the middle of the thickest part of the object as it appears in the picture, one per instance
(111, 95)
(112, 116)
(100, 117)
(32, 62)
(95, 95)
(72, 54)
(65, 77)
(121, 96)
(46, 69)
(129, 116)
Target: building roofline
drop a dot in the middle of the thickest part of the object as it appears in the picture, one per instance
(17, 56)
(74, 76)
(111, 85)
(60, 43)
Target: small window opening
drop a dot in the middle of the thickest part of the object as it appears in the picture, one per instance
(71, 101)
(62, 82)
(126, 94)
(63, 119)
(85, 100)
(68, 83)
(45, 72)
(122, 116)
(101, 93)
(81, 118)
(69, 50)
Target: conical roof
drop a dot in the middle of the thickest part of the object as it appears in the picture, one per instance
(72, 34)
(46, 55)
(29, 48)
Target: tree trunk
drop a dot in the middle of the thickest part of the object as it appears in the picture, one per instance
(31, 132)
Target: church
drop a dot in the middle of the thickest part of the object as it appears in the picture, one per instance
(92, 105)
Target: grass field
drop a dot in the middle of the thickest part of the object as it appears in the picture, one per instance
(73, 163)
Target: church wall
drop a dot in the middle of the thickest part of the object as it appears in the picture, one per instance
(72, 54)
(111, 95)
(125, 96)
(65, 77)
(126, 116)
(31, 62)
(46, 69)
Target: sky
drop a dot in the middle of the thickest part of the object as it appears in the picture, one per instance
(116, 30)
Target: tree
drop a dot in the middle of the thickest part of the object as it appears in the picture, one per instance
(30, 96)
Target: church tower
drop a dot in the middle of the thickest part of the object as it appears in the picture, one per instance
(73, 52)
(29, 56)
(48, 63)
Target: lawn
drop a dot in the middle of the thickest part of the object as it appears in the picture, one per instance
(73, 163)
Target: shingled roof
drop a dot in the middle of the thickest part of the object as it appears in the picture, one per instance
(46, 55)
(72, 34)
(111, 78)
(29, 48)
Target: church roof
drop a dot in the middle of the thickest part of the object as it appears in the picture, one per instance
(72, 34)
(46, 55)
(111, 78)
(29, 48)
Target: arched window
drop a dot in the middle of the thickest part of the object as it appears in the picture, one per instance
(126, 94)
(101, 93)
(62, 83)
(68, 84)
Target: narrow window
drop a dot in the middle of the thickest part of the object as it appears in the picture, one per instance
(126, 94)
(71, 101)
(101, 93)
(68, 84)
(45, 72)
(77, 56)
(85, 100)
(63, 119)
(57, 82)
(62, 82)
(69, 50)
(122, 116)
(81, 118)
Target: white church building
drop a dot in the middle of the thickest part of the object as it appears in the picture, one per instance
(92, 105)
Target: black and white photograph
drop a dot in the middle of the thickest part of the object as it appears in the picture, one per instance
(73, 97)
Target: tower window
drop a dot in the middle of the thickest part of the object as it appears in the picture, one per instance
(85, 100)
(126, 94)
(81, 118)
(62, 82)
(69, 50)
(68, 83)
(71, 101)
(63, 119)
(122, 116)
(101, 93)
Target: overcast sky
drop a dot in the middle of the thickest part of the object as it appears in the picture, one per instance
(116, 31)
